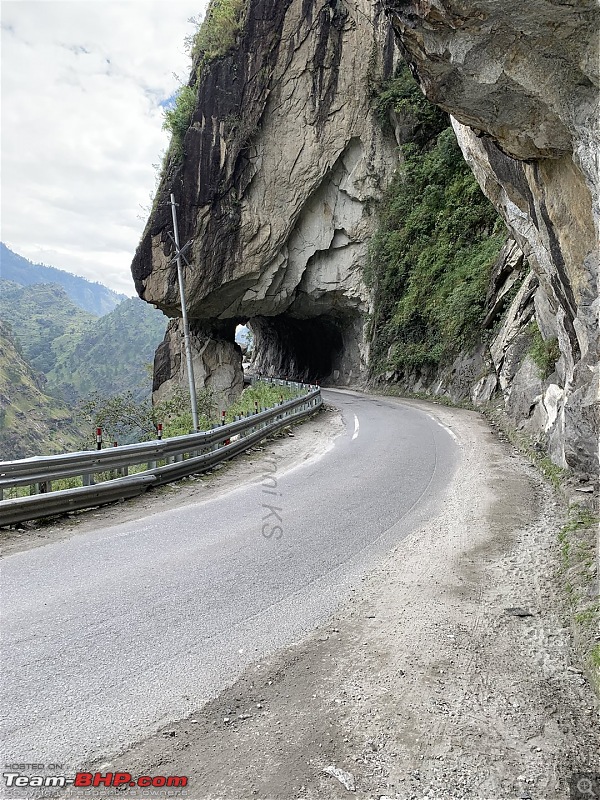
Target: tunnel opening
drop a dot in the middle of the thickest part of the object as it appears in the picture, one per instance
(328, 349)
(321, 349)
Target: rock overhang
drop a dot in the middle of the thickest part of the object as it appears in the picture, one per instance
(521, 81)
(283, 161)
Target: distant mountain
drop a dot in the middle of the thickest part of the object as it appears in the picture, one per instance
(111, 355)
(89, 296)
(55, 352)
(31, 422)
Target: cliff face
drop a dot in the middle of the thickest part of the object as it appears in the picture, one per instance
(284, 161)
(521, 81)
(281, 164)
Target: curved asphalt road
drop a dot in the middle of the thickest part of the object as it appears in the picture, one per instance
(107, 635)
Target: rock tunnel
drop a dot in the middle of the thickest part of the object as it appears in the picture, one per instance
(322, 349)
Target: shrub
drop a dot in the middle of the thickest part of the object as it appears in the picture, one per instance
(218, 33)
(179, 117)
(402, 95)
(215, 36)
(544, 352)
(266, 395)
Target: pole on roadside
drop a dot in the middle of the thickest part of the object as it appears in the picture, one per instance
(186, 327)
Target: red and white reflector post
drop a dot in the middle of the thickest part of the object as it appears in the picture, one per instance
(227, 441)
(98, 438)
(159, 430)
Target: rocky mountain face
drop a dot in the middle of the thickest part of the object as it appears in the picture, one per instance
(284, 163)
(521, 81)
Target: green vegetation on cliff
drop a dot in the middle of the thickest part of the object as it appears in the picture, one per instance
(544, 352)
(431, 258)
(215, 36)
(179, 117)
(218, 33)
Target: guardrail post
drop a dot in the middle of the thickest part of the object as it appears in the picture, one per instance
(40, 488)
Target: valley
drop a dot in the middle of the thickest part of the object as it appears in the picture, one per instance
(55, 354)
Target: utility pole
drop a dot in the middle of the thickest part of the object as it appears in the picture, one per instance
(186, 327)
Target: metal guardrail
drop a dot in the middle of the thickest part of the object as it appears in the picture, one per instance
(183, 456)
(45, 505)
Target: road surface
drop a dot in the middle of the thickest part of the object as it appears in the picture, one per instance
(110, 634)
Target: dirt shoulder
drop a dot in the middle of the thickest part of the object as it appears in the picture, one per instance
(303, 441)
(448, 674)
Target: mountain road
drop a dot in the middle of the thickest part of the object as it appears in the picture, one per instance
(114, 632)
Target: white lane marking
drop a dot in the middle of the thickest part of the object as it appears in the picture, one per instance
(123, 535)
(445, 427)
(356, 428)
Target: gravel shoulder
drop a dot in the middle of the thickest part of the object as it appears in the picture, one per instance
(449, 672)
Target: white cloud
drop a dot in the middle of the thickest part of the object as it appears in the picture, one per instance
(82, 83)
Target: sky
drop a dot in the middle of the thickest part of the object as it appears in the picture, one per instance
(84, 83)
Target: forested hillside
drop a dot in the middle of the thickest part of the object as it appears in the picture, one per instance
(110, 356)
(55, 354)
(77, 352)
(31, 422)
(43, 320)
